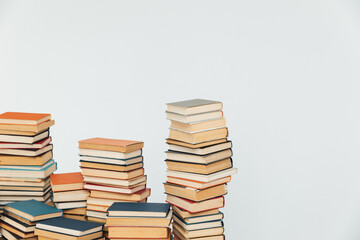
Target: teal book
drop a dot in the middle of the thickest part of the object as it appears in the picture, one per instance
(131, 209)
(33, 210)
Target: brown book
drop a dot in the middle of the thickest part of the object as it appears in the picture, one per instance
(138, 232)
(201, 159)
(77, 211)
(55, 235)
(71, 196)
(115, 189)
(117, 182)
(67, 181)
(138, 196)
(195, 194)
(185, 214)
(113, 167)
(25, 161)
(97, 220)
(106, 202)
(77, 217)
(199, 168)
(107, 144)
(180, 237)
(198, 137)
(97, 208)
(195, 207)
(199, 126)
(21, 219)
(140, 221)
(167, 238)
(202, 150)
(16, 231)
(11, 236)
(112, 174)
(198, 145)
(197, 234)
(197, 184)
(28, 128)
(24, 118)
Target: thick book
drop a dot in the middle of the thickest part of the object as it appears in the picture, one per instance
(194, 106)
(202, 177)
(197, 145)
(23, 118)
(18, 129)
(12, 198)
(112, 189)
(198, 137)
(23, 188)
(194, 117)
(70, 205)
(33, 210)
(69, 226)
(40, 144)
(194, 207)
(30, 168)
(195, 194)
(69, 196)
(27, 152)
(199, 126)
(24, 139)
(202, 150)
(17, 224)
(102, 202)
(199, 219)
(42, 173)
(77, 211)
(112, 174)
(16, 231)
(116, 182)
(199, 168)
(30, 182)
(108, 144)
(138, 232)
(197, 226)
(114, 161)
(176, 237)
(11, 236)
(202, 159)
(110, 154)
(129, 209)
(41, 192)
(67, 181)
(140, 221)
(55, 235)
(108, 166)
(138, 196)
(77, 217)
(96, 214)
(26, 161)
(204, 234)
(197, 184)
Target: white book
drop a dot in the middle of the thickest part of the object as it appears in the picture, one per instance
(202, 177)
(115, 161)
(110, 154)
(23, 139)
(202, 150)
(195, 117)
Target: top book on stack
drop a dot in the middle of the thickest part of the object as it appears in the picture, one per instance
(196, 123)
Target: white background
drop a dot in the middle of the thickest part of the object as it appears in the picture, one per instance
(286, 71)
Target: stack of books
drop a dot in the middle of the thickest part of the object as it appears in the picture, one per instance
(199, 167)
(69, 194)
(135, 221)
(25, 157)
(113, 171)
(62, 228)
(19, 218)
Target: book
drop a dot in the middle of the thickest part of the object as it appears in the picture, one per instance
(204, 234)
(113, 167)
(69, 226)
(69, 196)
(193, 106)
(197, 184)
(18, 128)
(116, 182)
(23, 188)
(102, 202)
(194, 117)
(195, 194)
(130, 209)
(110, 154)
(197, 145)
(203, 218)
(17, 224)
(33, 210)
(203, 159)
(26, 161)
(140, 221)
(16, 231)
(176, 237)
(11, 236)
(202, 177)
(70, 205)
(195, 207)
(79, 211)
(42, 173)
(96, 214)
(169, 237)
(197, 226)
(114, 161)
(77, 217)
(24, 192)
(67, 181)
(11, 198)
(114, 189)
(108, 144)
(112, 174)
(30, 168)
(198, 137)
(55, 235)
(98, 220)
(138, 196)
(23, 118)
(24, 139)
(199, 126)
(31, 182)
(198, 167)
(40, 144)
(27, 152)
(202, 150)
(138, 232)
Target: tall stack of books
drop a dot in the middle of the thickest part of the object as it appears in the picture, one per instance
(19, 218)
(69, 194)
(62, 228)
(135, 221)
(25, 157)
(199, 167)
(113, 171)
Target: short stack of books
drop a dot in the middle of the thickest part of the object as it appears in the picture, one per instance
(69, 194)
(25, 157)
(136, 221)
(113, 171)
(62, 228)
(19, 218)
(199, 167)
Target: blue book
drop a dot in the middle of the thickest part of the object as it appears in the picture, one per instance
(68, 226)
(33, 210)
(131, 209)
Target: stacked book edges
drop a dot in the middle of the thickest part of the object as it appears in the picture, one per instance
(113, 171)
(26, 157)
(199, 167)
(135, 221)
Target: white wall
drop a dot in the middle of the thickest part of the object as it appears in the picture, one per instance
(286, 71)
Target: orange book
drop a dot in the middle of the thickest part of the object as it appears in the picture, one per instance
(67, 181)
(107, 144)
(24, 118)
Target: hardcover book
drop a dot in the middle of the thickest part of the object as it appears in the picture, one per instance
(23, 118)
(139, 209)
(193, 106)
(107, 144)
